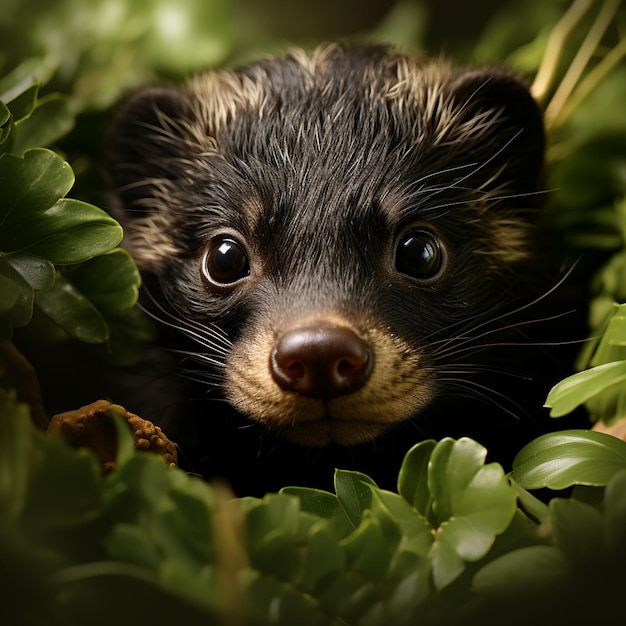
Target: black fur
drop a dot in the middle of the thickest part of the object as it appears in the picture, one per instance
(318, 189)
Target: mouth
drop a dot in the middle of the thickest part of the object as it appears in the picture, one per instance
(328, 429)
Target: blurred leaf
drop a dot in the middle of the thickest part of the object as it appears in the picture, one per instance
(23, 104)
(16, 458)
(531, 570)
(185, 35)
(50, 121)
(579, 532)
(612, 345)
(368, 552)
(18, 81)
(9, 294)
(572, 457)
(615, 513)
(416, 533)
(73, 312)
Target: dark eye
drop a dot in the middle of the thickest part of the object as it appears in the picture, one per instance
(225, 263)
(419, 254)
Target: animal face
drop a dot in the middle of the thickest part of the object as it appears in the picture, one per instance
(331, 227)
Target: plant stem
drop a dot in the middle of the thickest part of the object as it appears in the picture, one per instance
(554, 49)
(588, 84)
(580, 61)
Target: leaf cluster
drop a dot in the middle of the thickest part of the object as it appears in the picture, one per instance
(459, 543)
(58, 256)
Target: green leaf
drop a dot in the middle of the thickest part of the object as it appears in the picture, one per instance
(37, 272)
(16, 454)
(18, 306)
(24, 104)
(368, 552)
(29, 185)
(578, 388)
(69, 232)
(413, 476)
(6, 127)
(50, 121)
(615, 512)
(270, 601)
(22, 78)
(473, 503)
(9, 293)
(5, 115)
(315, 501)
(68, 308)
(578, 532)
(522, 573)
(322, 558)
(416, 534)
(129, 332)
(110, 281)
(354, 494)
(572, 457)
(531, 505)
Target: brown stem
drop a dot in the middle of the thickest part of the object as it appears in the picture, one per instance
(17, 373)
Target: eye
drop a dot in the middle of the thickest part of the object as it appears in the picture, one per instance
(419, 254)
(225, 263)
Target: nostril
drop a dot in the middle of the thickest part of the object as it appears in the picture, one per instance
(322, 360)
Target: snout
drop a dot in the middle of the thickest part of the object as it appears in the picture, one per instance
(321, 360)
(323, 379)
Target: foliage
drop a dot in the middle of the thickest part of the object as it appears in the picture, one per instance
(460, 542)
(57, 255)
(450, 547)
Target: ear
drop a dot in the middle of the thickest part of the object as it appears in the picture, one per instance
(147, 136)
(508, 123)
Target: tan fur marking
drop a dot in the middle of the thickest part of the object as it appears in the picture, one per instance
(150, 242)
(398, 388)
(218, 97)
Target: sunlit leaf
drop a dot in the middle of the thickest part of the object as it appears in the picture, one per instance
(575, 390)
(572, 457)
(473, 503)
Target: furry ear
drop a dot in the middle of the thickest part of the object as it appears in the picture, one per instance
(508, 123)
(147, 135)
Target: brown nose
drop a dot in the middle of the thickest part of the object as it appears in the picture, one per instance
(321, 360)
